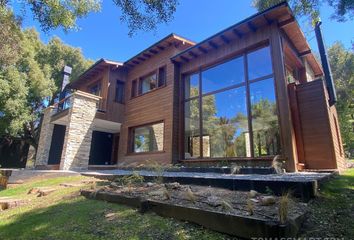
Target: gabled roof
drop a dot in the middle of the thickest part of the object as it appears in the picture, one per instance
(156, 48)
(280, 13)
(95, 69)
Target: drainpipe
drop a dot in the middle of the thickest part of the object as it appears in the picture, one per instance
(325, 65)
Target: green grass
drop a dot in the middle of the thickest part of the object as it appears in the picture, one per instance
(65, 215)
(332, 214)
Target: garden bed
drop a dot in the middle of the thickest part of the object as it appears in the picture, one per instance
(242, 214)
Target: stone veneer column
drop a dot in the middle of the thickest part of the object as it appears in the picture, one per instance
(45, 137)
(78, 133)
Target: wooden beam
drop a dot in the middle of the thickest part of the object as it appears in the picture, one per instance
(193, 54)
(161, 47)
(184, 58)
(147, 55)
(269, 21)
(237, 33)
(225, 39)
(286, 22)
(305, 53)
(153, 51)
(203, 50)
(141, 59)
(252, 26)
(135, 62)
(213, 45)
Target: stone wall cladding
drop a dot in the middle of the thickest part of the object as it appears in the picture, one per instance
(78, 134)
(45, 138)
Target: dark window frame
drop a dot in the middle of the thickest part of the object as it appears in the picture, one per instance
(246, 84)
(120, 100)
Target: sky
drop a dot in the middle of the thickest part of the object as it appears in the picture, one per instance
(103, 35)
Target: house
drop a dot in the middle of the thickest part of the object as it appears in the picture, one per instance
(244, 95)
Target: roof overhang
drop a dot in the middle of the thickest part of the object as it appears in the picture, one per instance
(93, 71)
(280, 13)
(156, 48)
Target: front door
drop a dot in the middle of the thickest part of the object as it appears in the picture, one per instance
(56, 146)
(101, 148)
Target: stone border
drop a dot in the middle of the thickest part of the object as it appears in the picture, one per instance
(236, 225)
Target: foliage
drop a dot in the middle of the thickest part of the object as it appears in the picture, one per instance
(130, 180)
(30, 74)
(342, 66)
(283, 208)
(146, 15)
(311, 8)
(138, 14)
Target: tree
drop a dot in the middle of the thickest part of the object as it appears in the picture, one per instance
(342, 66)
(30, 73)
(343, 9)
(138, 14)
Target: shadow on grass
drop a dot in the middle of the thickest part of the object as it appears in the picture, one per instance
(85, 219)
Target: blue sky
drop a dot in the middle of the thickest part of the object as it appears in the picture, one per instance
(103, 35)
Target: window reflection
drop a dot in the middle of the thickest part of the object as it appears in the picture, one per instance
(148, 138)
(191, 86)
(259, 63)
(223, 75)
(264, 118)
(191, 129)
(225, 123)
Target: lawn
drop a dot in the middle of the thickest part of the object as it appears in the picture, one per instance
(332, 213)
(66, 215)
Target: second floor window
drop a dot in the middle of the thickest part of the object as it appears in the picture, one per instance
(119, 96)
(95, 89)
(148, 83)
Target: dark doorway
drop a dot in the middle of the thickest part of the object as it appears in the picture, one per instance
(56, 147)
(101, 148)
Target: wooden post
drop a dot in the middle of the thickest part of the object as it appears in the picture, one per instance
(286, 127)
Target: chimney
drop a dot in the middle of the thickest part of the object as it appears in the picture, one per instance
(325, 65)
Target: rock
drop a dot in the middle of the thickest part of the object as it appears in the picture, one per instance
(156, 193)
(252, 194)
(174, 185)
(150, 184)
(254, 200)
(213, 201)
(267, 200)
(115, 185)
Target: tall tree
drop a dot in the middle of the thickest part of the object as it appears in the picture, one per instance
(30, 73)
(342, 65)
(138, 14)
(343, 9)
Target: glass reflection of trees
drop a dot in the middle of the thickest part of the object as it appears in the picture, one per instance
(225, 109)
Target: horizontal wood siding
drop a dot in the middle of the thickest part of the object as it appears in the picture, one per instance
(154, 106)
(321, 147)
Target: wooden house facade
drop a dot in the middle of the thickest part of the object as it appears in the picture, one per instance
(244, 95)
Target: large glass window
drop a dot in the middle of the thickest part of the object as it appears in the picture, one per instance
(191, 88)
(238, 110)
(192, 129)
(148, 138)
(259, 63)
(224, 75)
(225, 123)
(264, 118)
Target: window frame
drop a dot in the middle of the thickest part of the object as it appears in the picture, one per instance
(138, 90)
(131, 137)
(247, 82)
(121, 83)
